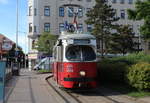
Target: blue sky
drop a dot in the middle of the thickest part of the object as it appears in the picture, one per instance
(8, 21)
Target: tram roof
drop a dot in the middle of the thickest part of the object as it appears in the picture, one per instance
(76, 36)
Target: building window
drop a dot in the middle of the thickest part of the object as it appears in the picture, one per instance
(80, 12)
(131, 26)
(46, 11)
(34, 28)
(47, 27)
(122, 14)
(114, 1)
(130, 1)
(61, 12)
(30, 10)
(70, 11)
(61, 27)
(122, 1)
(35, 12)
(88, 9)
(33, 44)
(30, 27)
(89, 28)
(80, 27)
(88, 0)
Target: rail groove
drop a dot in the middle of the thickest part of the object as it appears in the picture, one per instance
(60, 94)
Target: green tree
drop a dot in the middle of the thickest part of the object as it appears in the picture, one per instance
(122, 40)
(12, 55)
(103, 18)
(46, 42)
(12, 51)
(142, 12)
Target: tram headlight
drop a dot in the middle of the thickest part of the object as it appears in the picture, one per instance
(82, 73)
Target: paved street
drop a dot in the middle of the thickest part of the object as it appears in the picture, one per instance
(29, 88)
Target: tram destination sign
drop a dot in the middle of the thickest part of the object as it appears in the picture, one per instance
(81, 41)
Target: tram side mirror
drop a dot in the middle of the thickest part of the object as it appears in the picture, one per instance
(59, 43)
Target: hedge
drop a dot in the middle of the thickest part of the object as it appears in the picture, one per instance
(132, 69)
(111, 72)
(138, 76)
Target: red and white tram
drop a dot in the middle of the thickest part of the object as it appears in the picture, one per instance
(74, 61)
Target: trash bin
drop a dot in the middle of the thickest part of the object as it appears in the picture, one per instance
(15, 69)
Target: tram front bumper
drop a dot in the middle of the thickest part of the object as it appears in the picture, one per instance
(81, 79)
(81, 82)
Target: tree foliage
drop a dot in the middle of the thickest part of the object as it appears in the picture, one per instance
(13, 54)
(46, 42)
(142, 12)
(122, 41)
(102, 17)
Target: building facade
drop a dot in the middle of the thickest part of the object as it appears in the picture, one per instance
(50, 15)
(5, 45)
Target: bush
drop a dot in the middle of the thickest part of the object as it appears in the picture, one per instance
(111, 72)
(138, 76)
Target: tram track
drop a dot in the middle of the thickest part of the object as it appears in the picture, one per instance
(62, 94)
(94, 96)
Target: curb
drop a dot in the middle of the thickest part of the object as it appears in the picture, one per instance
(135, 99)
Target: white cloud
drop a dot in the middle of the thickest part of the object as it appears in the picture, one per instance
(3, 1)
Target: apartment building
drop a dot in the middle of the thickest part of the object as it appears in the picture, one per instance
(50, 15)
(5, 45)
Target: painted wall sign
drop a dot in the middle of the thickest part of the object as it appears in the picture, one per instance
(2, 80)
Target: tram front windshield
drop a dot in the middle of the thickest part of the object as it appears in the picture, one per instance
(80, 53)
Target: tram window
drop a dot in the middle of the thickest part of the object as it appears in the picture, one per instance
(80, 53)
(88, 54)
(73, 53)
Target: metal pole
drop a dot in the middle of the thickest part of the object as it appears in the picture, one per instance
(17, 26)
(16, 49)
(25, 51)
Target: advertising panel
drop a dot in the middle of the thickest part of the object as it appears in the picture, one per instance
(6, 46)
(32, 56)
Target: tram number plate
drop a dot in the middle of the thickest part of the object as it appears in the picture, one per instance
(69, 68)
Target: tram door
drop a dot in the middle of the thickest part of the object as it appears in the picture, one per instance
(59, 63)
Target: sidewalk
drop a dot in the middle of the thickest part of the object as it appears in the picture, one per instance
(29, 87)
